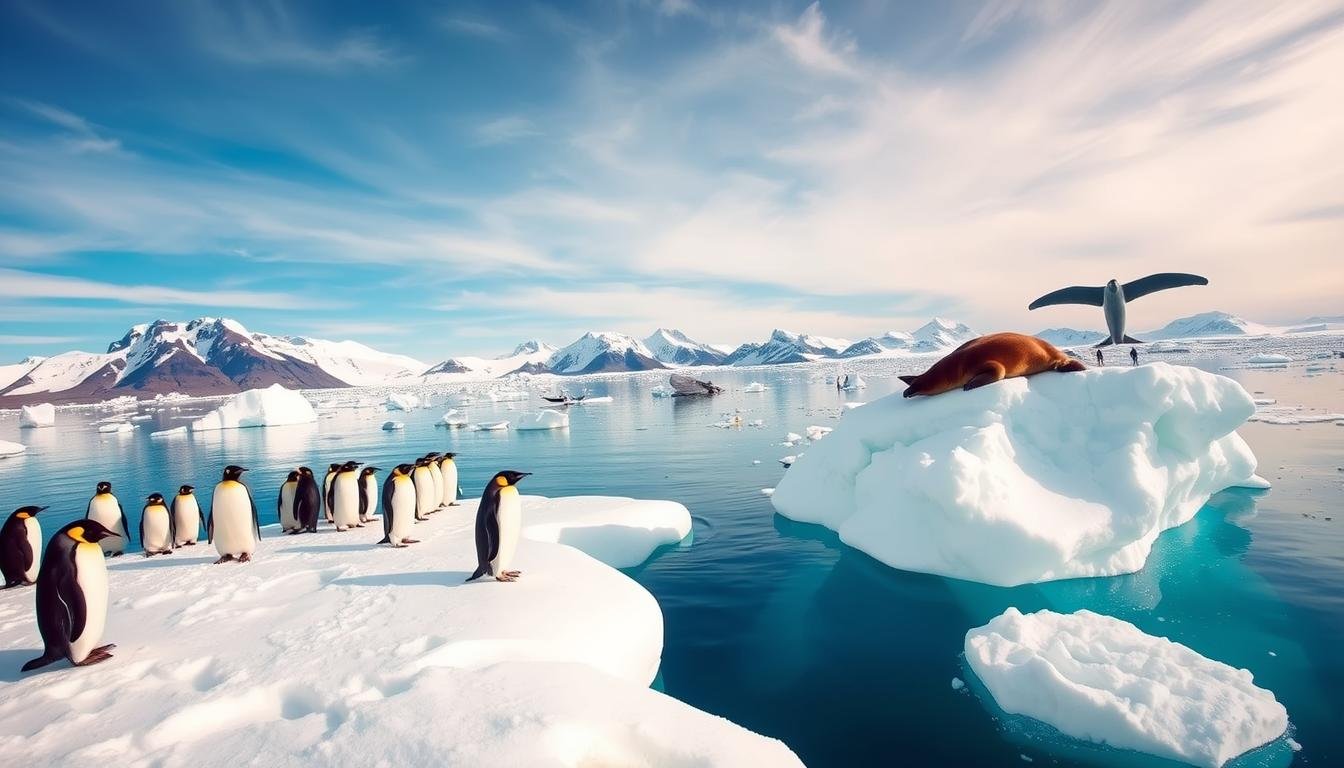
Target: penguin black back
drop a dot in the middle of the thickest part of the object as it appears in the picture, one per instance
(16, 551)
(487, 523)
(307, 501)
(62, 609)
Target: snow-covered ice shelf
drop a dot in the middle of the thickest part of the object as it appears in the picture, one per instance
(1103, 680)
(620, 532)
(328, 650)
(1030, 479)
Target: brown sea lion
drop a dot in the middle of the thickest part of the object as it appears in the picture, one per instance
(988, 359)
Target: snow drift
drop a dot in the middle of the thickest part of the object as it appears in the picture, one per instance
(1101, 679)
(1027, 480)
(273, 406)
(40, 415)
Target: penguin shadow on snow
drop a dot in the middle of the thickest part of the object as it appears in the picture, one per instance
(409, 579)
(13, 659)
(136, 561)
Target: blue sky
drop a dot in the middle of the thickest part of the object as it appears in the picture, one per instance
(442, 178)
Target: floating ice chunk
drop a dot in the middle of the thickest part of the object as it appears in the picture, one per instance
(767, 491)
(792, 437)
(661, 391)
(1292, 414)
(618, 531)
(273, 406)
(1030, 479)
(172, 432)
(455, 418)
(401, 401)
(1101, 679)
(788, 461)
(591, 400)
(852, 406)
(815, 432)
(546, 418)
(392, 426)
(491, 426)
(754, 386)
(957, 684)
(1255, 482)
(1293, 745)
(8, 449)
(1267, 358)
(40, 415)
(142, 417)
(116, 427)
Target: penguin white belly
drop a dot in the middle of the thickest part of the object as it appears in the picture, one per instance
(345, 500)
(288, 521)
(157, 535)
(437, 493)
(92, 580)
(371, 495)
(105, 509)
(232, 514)
(509, 518)
(188, 519)
(403, 511)
(449, 482)
(424, 489)
(34, 531)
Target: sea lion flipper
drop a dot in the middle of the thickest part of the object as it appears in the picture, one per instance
(908, 379)
(992, 371)
(1071, 365)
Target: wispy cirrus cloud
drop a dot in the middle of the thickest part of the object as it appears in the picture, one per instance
(20, 284)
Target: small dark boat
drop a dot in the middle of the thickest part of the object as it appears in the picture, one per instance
(564, 399)
(685, 386)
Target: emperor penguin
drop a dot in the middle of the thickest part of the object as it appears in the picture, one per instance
(307, 501)
(498, 523)
(399, 507)
(343, 498)
(72, 596)
(448, 468)
(105, 509)
(21, 547)
(425, 501)
(436, 473)
(284, 505)
(156, 527)
(368, 494)
(326, 488)
(233, 526)
(186, 517)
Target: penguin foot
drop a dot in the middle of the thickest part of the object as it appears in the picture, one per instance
(223, 559)
(246, 557)
(359, 525)
(149, 554)
(455, 504)
(116, 554)
(514, 574)
(341, 529)
(97, 656)
(410, 541)
(506, 578)
(191, 543)
(166, 552)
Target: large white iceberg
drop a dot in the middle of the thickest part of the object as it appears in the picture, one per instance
(273, 406)
(618, 531)
(1030, 479)
(401, 401)
(40, 415)
(546, 418)
(1101, 679)
(550, 671)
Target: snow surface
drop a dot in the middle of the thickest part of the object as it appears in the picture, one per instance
(15, 371)
(273, 406)
(1030, 479)
(618, 531)
(8, 449)
(1101, 679)
(40, 415)
(337, 650)
(544, 419)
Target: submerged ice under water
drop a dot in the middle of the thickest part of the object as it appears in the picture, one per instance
(777, 625)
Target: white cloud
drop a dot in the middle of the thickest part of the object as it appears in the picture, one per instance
(476, 28)
(270, 34)
(19, 284)
(809, 43)
(504, 130)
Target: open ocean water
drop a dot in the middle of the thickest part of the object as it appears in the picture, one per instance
(775, 624)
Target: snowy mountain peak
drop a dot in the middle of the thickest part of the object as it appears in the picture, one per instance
(1208, 324)
(673, 347)
(529, 347)
(602, 352)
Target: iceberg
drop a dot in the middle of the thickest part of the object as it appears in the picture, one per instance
(173, 432)
(8, 449)
(40, 415)
(273, 406)
(754, 386)
(815, 432)
(116, 427)
(1030, 479)
(392, 426)
(618, 531)
(543, 419)
(401, 401)
(1100, 679)
(454, 418)
(556, 667)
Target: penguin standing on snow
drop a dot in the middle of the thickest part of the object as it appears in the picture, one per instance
(186, 517)
(425, 501)
(105, 509)
(343, 498)
(307, 501)
(284, 504)
(233, 526)
(326, 488)
(498, 523)
(21, 546)
(448, 468)
(156, 527)
(368, 494)
(72, 596)
(399, 507)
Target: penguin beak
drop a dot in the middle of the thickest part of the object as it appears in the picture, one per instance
(40, 509)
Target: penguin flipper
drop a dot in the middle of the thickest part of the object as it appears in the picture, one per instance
(210, 527)
(72, 598)
(1160, 282)
(1074, 294)
(256, 522)
(142, 531)
(126, 526)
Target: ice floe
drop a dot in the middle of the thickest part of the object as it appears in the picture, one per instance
(552, 670)
(40, 415)
(171, 432)
(454, 418)
(8, 449)
(1030, 479)
(1100, 679)
(754, 386)
(273, 406)
(544, 419)
(401, 401)
(1262, 359)
(491, 426)
(116, 427)
(618, 531)
(1271, 413)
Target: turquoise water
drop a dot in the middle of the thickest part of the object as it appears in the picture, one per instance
(778, 626)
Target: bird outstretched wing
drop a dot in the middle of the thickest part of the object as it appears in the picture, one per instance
(1074, 294)
(1160, 282)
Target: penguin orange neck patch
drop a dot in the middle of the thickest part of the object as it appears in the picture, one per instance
(503, 482)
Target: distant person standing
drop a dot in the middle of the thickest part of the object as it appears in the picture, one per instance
(1134, 355)
(1100, 360)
